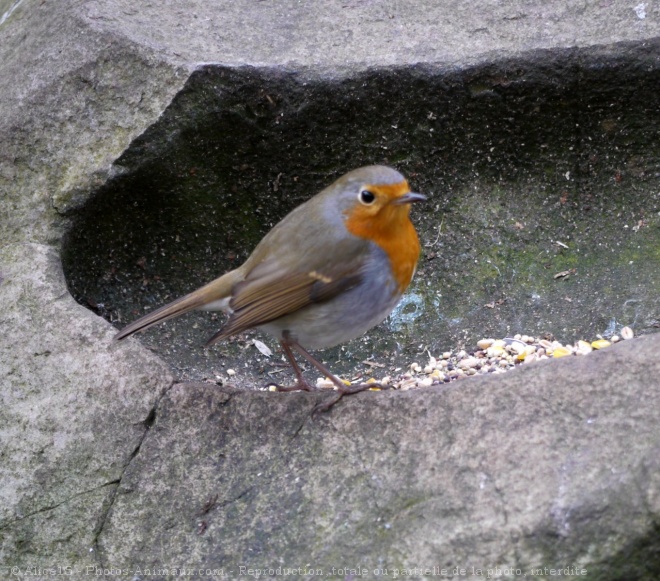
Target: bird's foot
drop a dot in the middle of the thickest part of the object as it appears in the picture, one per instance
(348, 390)
(342, 388)
(358, 387)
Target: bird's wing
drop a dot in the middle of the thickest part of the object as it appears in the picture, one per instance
(269, 293)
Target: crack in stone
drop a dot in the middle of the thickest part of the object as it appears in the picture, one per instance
(238, 497)
(299, 429)
(58, 504)
(148, 422)
(500, 495)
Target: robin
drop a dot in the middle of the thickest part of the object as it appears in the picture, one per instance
(329, 271)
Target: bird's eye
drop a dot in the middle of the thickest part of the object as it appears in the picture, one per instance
(367, 197)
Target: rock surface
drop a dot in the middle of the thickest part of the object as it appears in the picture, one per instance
(537, 467)
(108, 463)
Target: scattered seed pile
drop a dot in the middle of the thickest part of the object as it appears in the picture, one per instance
(492, 356)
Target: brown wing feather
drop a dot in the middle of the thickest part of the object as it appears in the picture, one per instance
(256, 302)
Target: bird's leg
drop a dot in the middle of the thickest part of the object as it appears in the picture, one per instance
(342, 388)
(301, 382)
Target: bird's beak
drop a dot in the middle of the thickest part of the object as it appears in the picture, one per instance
(409, 198)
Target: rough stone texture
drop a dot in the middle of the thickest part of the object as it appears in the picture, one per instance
(77, 99)
(540, 466)
(337, 37)
(552, 465)
(71, 416)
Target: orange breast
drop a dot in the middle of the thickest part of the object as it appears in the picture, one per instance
(393, 231)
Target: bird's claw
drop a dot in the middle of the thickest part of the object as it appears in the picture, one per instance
(347, 390)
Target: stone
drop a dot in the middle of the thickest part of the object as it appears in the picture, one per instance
(144, 148)
(482, 464)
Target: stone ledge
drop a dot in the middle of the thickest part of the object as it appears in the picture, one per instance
(78, 417)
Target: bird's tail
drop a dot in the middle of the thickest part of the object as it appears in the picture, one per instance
(217, 291)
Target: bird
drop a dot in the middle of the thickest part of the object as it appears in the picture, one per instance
(329, 271)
